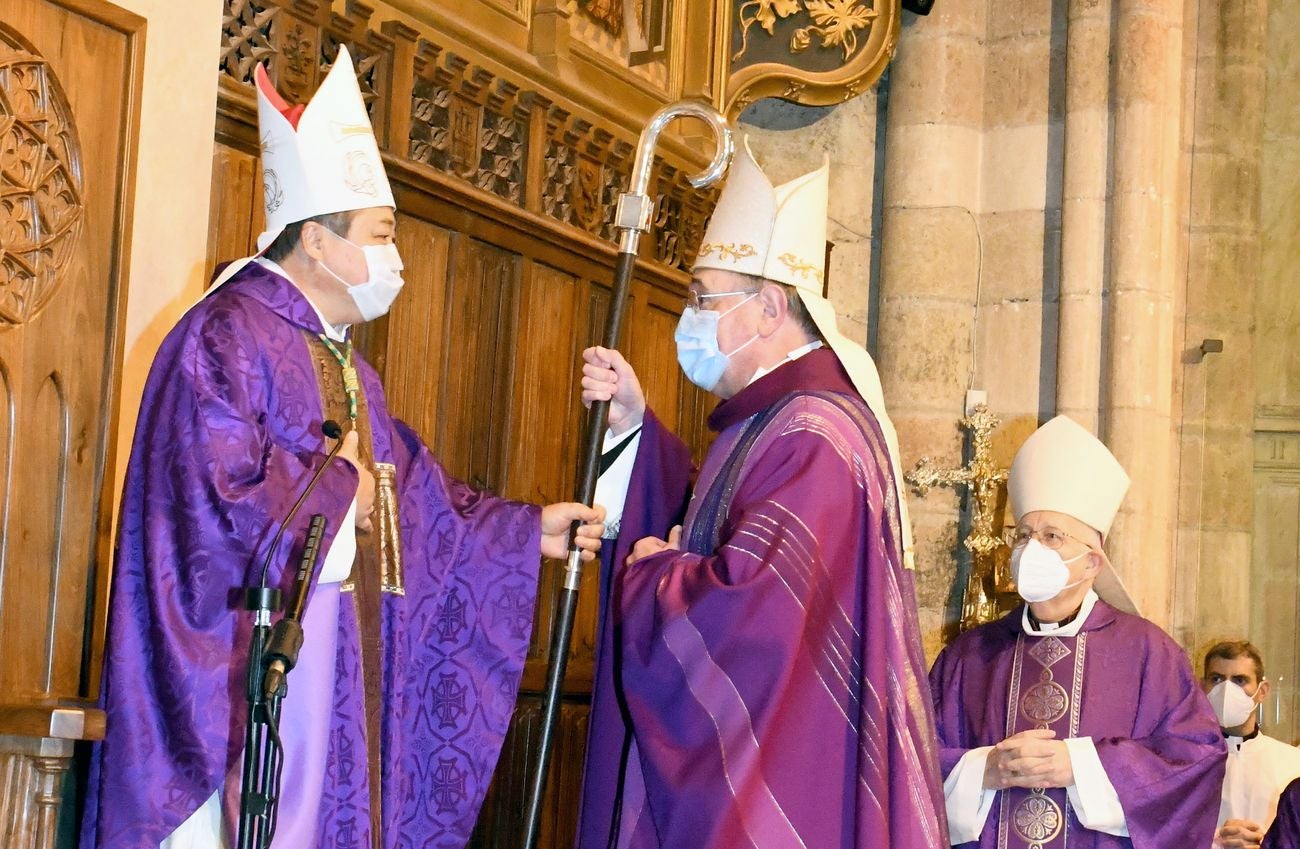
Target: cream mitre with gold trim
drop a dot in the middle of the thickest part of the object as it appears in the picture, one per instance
(1063, 468)
(316, 159)
(779, 233)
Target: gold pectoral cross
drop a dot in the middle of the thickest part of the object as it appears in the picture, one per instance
(984, 478)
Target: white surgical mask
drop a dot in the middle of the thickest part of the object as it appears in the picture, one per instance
(697, 345)
(1232, 705)
(384, 268)
(1040, 573)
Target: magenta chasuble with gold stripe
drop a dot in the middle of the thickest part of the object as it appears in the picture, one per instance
(764, 687)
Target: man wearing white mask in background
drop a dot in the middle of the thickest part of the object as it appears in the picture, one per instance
(407, 676)
(1259, 767)
(1073, 721)
(759, 671)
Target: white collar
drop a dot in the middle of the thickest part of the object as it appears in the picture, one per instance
(335, 334)
(789, 358)
(1053, 630)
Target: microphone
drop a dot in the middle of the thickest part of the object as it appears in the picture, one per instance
(331, 429)
(286, 637)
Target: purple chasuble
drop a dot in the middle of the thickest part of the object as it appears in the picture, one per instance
(764, 687)
(1284, 833)
(1124, 683)
(229, 431)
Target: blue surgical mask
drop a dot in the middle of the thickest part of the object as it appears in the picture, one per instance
(697, 345)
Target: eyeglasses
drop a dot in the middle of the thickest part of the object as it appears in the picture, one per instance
(1049, 537)
(695, 300)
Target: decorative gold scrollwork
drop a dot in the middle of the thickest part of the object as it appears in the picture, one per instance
(814, 52)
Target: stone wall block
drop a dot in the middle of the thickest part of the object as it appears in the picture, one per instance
(928, 355)
(1221, 270)
(1143, 375)
(1024, 17)
(1019, 81)
(1089, 37)
(1142, 41)
(930, 252)
(941, 82)
(1015, 333)
(1013, 256)
(946, 174)
(1016, 167)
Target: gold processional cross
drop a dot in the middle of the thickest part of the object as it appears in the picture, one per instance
(984, 479)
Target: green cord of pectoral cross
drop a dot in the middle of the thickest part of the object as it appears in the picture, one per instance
(351, 383)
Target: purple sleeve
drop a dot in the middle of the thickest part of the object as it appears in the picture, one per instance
(656, 500)
(1171, 768)
(945, 690)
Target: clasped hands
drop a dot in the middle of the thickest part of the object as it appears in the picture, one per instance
(1240, 834)
(1030, 759)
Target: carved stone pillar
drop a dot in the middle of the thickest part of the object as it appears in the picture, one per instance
(1138, 421)
(1083, 210)
(929, 265)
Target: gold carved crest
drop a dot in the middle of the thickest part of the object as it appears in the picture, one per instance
(811, 52)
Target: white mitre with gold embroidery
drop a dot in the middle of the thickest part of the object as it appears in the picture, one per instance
(327, 161)
(779, 233)
(1063, 468)
(316, 159)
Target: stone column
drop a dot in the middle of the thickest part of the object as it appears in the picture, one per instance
(1138, 411)
(1084, 193)
(1225, 97)
(929, 261)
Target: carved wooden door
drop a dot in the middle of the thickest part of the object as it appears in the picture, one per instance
(69, 78)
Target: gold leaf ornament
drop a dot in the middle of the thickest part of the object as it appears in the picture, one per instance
(765, 13)
(835, 23)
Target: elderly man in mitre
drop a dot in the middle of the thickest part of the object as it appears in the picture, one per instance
(406, 682)
(1073, 721)
(760, 675)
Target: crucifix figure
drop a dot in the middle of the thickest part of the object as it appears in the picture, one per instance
(984, 478)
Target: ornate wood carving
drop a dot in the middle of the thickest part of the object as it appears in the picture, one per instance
(40, 181)
(69, 76)
(814, 52)
(461, 118)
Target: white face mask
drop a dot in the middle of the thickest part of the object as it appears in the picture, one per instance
(384, 268)
(1040, 573)
(697, 345)
(1232, 705)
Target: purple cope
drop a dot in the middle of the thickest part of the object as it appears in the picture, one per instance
(229, 431)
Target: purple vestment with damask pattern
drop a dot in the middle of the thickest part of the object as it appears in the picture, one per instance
(764, 687)
(229, 432)
(1124, 683)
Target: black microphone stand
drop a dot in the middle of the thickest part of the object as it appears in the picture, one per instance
(259, 787)
(258, 797)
